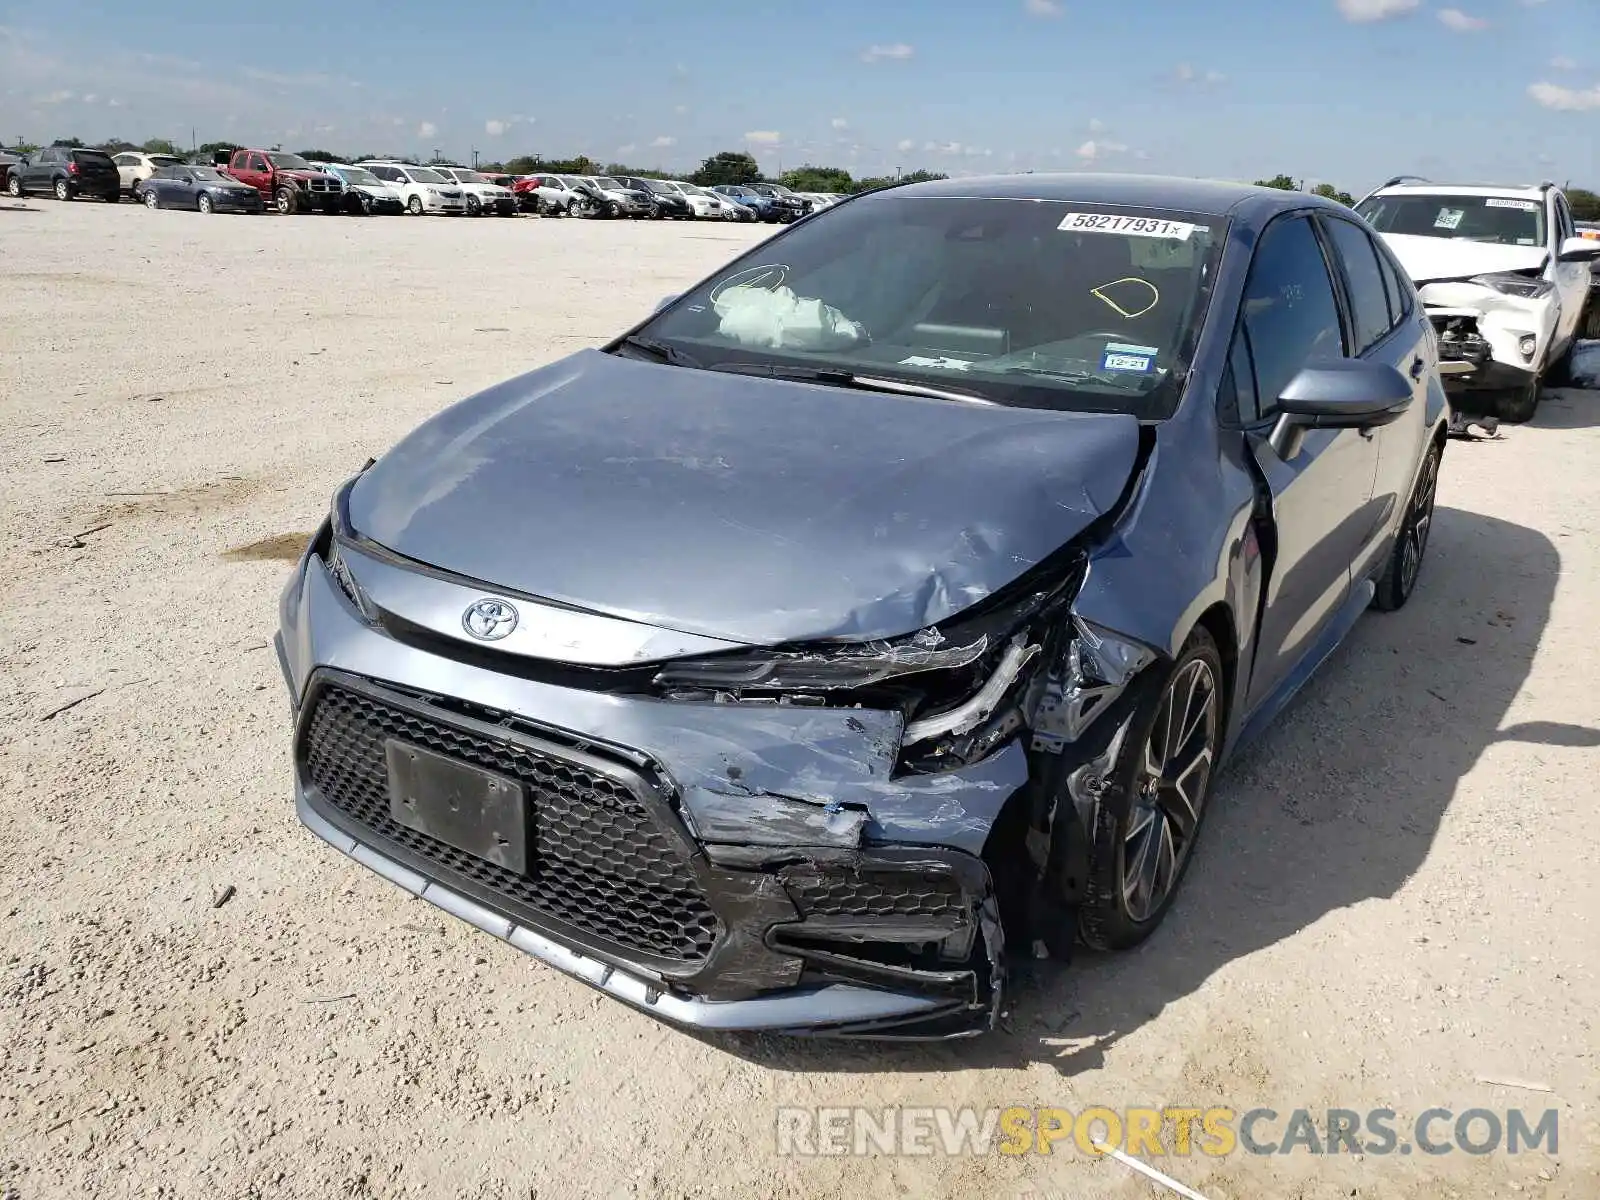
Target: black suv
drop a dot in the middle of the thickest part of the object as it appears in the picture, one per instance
(67, 172)
(668, 201)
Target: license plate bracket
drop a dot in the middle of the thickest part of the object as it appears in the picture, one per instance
(462, 805)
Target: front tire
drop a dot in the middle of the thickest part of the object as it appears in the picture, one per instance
(63, 190)
(474, 208)
(1405, 561)
(204, 205)
(1145, 831)
(414, 206)
(151, 201)
(1519, 405)
(287, 202)
(14, 187)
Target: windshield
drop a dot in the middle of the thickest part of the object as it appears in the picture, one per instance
(1041, 304)
(655, 185)
(164, 160)
(777, 189)
(288, 162)
(356, 175)
(208, 175)
(606, 182)
(423, 175)
(1501, 220)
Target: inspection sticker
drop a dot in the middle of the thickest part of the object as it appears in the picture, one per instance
(1519, 205)
(1449, 218)
(1153, 227)
(1120, 357)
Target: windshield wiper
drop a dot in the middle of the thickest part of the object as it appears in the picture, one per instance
(661, 351)
(849, 379)
(1048, 373)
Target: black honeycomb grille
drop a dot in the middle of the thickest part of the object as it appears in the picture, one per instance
(600, 861)
(873, 894)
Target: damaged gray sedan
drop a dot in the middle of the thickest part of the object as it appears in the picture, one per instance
(883, 607)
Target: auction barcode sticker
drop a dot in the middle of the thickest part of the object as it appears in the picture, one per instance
(1154, 227)
(1520, 205)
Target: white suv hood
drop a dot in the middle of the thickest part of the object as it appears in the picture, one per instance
(1426, 258)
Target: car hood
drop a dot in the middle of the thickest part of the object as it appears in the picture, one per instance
(299, 173)
(743, 508)
(1426, 258)
(376, 189)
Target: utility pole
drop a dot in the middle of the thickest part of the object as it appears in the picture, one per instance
(897, 172)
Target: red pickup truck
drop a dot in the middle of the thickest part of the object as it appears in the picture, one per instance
(286, 182)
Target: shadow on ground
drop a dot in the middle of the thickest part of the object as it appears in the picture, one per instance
(1335, 805)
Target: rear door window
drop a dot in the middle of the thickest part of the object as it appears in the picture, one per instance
(1369, 296)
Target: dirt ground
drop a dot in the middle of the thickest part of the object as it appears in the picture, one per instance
(1395, 901)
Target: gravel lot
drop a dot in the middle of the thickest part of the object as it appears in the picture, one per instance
(1395, 901)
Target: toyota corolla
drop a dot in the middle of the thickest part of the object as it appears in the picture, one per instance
(881, 608)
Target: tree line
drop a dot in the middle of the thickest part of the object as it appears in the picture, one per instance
(726, 167)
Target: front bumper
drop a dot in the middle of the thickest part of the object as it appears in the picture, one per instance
(865, 908)
(450, 207)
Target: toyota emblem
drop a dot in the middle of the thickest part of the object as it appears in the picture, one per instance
(489, 620)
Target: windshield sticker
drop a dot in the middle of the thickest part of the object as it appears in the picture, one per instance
(1449, 218)
(1127, 362)
(946, 364)
(1154, 227)
(1519, 205)
(1526, 242)
(1129, 298)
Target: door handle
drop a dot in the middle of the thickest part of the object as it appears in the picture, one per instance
(1417, 367)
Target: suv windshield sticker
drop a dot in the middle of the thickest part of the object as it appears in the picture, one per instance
(1155, 227)
(1130, 297)
(1449, 218)
(1519, 205)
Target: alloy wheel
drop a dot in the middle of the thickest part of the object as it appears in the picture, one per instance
(204, 204)
(1419, 523)
(63, 190)
(150, 201)
(1169, 789)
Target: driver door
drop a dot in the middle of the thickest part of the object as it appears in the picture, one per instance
(1320, 497)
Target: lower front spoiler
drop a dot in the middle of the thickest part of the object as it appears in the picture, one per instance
(832, 1010)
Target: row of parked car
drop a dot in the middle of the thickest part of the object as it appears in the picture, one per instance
(247, 180)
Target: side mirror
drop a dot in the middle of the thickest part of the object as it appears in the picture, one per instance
(1345, 393)
(664, 301)
(1577, 249)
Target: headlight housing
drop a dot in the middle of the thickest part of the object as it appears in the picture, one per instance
(959, 685)
(1512, 283)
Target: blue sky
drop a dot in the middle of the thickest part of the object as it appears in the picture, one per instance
(1347, 91)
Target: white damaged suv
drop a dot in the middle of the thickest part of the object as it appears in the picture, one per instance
(1504, 277)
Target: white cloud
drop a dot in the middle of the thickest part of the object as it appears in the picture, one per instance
(113, 103)
(91, 98)
(628, 149)
(495, 128)
(680, 109)
(1562, 63)
(427, 130)
(1187, 74)
(664, 141)
(60, 97)
(1460, 22)
(1565, 99)
(1094, 150)
(1376, 10)
(895, 52)
(840, 123)
(905, 144)
(764, 137)
(1041, 8)
(1096, 125)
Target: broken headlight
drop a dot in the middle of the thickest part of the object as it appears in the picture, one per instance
(1514, 283)
(823, 669)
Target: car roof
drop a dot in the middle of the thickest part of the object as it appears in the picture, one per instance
(1517, 190)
